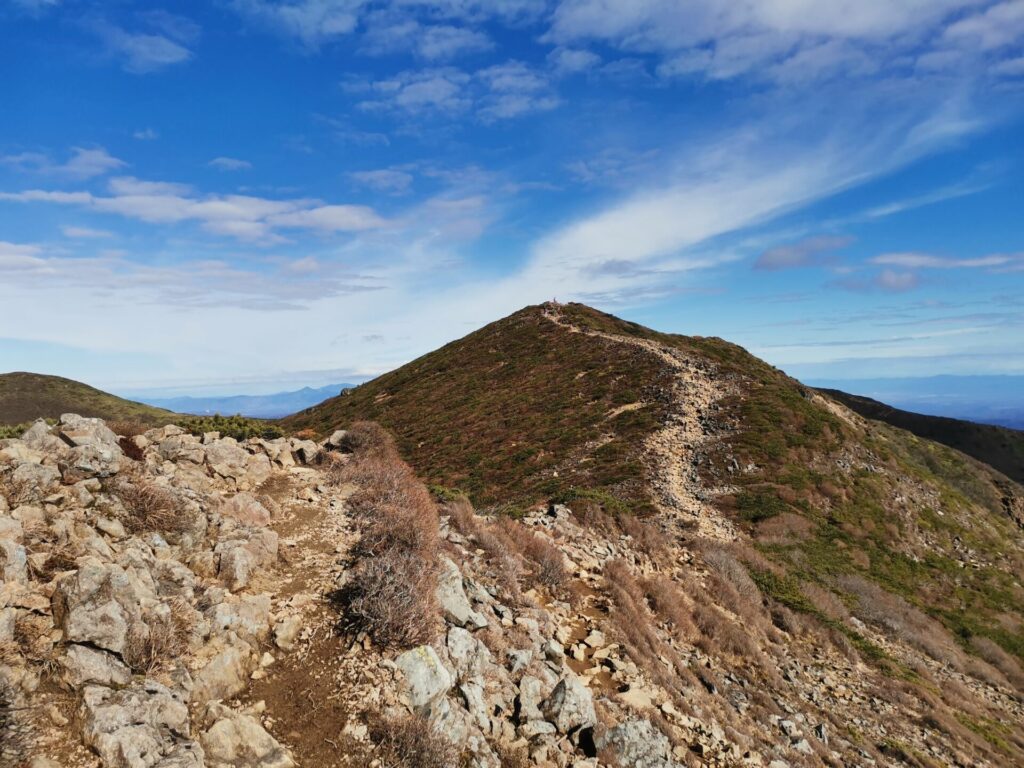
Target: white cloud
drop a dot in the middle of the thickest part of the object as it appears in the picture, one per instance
(995, 27)
(84, 232)
(83, 164)
(787, 41)
(142, 52)
(569, 61)
(20, 257)
(515, 89)
(229, 164)
(384, 180)
(146, 134)
(1010, 68)
(240, 216)
(428, 90)
(311, 22)
(929, 261)
(433, 42)
(807, 252)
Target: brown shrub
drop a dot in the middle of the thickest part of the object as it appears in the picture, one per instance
(165, 637)
(992, 653)
(784, 528)
(127, 428)
(636, 627)
(391, 596)
(391, 591)
(897, 616)
(369, 439)
(411, 742)
(670, 604)
(502, 560)
(148, 506)
(547, 564)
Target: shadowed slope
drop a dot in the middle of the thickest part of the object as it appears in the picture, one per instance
(998, 447)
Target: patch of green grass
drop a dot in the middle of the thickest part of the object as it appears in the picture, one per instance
(238, 427)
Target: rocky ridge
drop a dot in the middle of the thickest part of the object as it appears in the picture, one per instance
(166, 601)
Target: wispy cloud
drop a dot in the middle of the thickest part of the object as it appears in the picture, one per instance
(229, 164)
(391, 180)
(145, 134)
(791, 42)
(242, 216)
(930, 261)
(887, 280)
(84, 232)
(164, 43)
(84, 163)
(807, 252)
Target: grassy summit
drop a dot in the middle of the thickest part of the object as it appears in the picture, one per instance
(25, 397)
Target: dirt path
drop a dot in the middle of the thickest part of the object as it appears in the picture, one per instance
(670, 450)
(307, 691)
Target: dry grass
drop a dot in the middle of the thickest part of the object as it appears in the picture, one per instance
(390, 593)
(127, 428)
(993, 654)
(503, 564)
(164, 638)
(904, 621)
(547, 564)
(148, 506)
(412, 742)
(637, 628)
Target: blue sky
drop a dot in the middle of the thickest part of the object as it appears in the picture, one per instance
(248, 195)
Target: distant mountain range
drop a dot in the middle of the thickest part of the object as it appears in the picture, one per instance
(271, 406)
(984, 399)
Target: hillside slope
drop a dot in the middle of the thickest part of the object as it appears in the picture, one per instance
(834, 515)
(998, 447)
(25, 397)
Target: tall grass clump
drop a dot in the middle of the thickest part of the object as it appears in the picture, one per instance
(391, 591)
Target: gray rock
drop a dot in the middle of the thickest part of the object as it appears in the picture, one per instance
(247, 616)
(80, 431)
(227, 458)
(469, 656)
(13, 561)
(337, 440)
(247, 509)
(82, 462)
(36, 481)
(452, 598)
(287, 631)
(225, 675)
(182, 448)
(426, 679)
(137, 727)
(97, 604)
(306, 451)
(638, 744)
(236, 565)
(82, 664)
(531, 696)
(239, 741)
(570, 706)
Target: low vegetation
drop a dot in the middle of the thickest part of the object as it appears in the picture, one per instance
(391, 590)
(148, 507)
(239, 427)
(412, 742)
